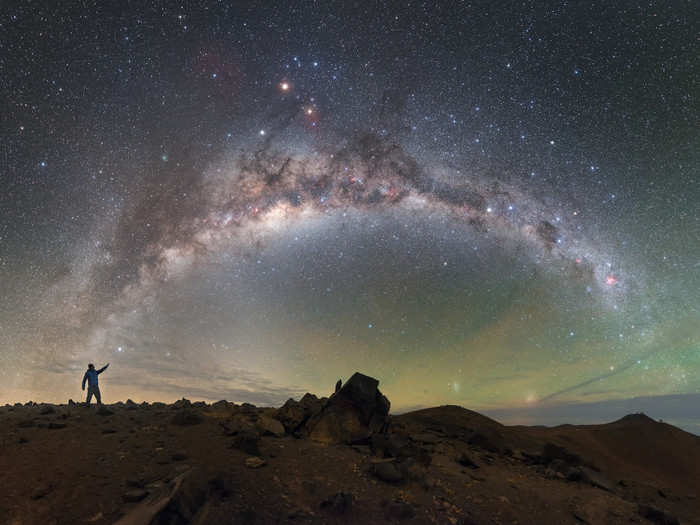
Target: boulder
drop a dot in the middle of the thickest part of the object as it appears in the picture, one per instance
(387, 471)
(270, 426)
(353, 414)
(293, 414)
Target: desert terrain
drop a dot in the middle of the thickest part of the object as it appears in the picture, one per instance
(337, 459)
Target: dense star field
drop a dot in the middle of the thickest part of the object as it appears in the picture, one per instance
(486, 204)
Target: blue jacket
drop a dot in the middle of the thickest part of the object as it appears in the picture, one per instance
(91, 376)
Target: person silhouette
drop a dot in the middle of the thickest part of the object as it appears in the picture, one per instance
(93, 387)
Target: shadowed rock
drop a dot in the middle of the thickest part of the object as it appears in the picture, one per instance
(351, 415)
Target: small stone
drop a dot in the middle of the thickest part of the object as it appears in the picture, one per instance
(109, 431)
(104, 411)
(466, 461)
(47, 409)
(179, 456)
(255, 462)
(134, 496)
(55, 425)
(387, 471)
(22, 440)
(41, 491)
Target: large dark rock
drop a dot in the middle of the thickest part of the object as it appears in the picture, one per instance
(293, 414)
(351, 415)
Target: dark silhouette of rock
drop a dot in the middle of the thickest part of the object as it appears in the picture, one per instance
(353, 414)
(657, 516)
(465, 460)
(47, 409)
(387, 471)
(338, 385)
(182, 403)
(293, 414)
(340, 503)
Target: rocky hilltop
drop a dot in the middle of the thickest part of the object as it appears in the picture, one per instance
(337, 459)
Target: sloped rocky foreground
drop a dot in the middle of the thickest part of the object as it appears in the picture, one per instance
(340, 459)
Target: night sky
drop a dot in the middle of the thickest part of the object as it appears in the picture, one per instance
(491, 204)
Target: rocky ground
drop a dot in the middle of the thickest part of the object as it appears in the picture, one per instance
(340, 459)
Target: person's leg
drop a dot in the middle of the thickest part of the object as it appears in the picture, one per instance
(97, 395)
(89, 396)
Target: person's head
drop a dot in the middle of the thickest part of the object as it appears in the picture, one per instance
(91, 366)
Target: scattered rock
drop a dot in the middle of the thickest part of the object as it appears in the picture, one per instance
(220, 404)
(56, 425)
(339, 503)
(71, 403)
(41, 491)
(179, 456)
(47, 409)
(387, 471)
(270, 426)
(22, 440)
(134, 496)
(255, 462)
(27, 423)
(130, 405)
(109, 431)
(187, 417)
(104, 411)
(657, 516)
(353, 414)
(466, 461)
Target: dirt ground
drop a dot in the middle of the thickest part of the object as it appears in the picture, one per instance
(182, 463)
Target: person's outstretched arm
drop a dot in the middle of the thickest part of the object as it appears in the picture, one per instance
(84, 379)
(103, 369)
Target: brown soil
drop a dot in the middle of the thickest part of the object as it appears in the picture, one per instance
(141, 464)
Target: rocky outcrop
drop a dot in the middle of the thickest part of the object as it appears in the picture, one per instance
(353, 414)
(293, 414)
